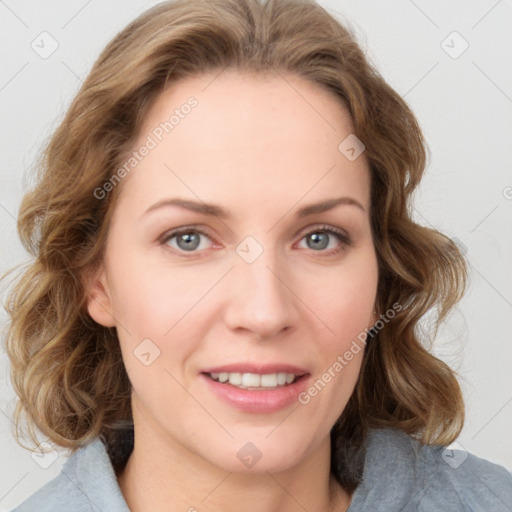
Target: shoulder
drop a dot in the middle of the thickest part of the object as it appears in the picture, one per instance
(402, 474)
(86, 483)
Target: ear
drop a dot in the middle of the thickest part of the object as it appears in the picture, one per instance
(99, 302)
(375, 317)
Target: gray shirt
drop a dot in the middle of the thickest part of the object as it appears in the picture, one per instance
(399, 475)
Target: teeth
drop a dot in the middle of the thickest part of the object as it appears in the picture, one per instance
(250, 380)
(254, 380)
(268, 381)
(235, 379)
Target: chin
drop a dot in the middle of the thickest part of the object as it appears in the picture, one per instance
(258, 454)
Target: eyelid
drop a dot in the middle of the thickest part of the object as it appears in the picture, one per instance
(184, 229)
(344, 237)
(326, 228)
(345, 241)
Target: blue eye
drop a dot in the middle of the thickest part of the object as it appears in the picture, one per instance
(319, 239)
(187, 240)
(323, 239)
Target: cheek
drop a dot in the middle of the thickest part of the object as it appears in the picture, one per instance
(149, 299)
(154, 306)
(346, 300)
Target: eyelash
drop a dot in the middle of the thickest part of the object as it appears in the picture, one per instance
(341, 235)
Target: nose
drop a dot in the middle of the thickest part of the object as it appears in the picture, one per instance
(261, 299)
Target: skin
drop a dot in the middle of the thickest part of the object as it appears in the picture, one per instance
(261, 147)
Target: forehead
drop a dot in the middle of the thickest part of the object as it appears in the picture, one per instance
(255, 138)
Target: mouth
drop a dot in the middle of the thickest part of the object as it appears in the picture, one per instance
(254, 388)
(255, 381)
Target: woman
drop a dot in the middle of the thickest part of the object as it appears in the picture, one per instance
(222, 307)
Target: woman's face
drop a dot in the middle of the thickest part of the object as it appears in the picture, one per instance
(241, 246)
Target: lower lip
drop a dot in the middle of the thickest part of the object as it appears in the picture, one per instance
(258, 401)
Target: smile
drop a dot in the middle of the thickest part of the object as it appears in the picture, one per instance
(254, 381)
(253, 392)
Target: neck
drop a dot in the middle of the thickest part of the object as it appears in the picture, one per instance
(168, 477)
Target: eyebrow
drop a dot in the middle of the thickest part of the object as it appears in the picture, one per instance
(217, 211)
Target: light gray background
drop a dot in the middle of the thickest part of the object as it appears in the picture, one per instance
(464, 106)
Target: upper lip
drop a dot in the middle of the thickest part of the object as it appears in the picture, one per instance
(262, 369)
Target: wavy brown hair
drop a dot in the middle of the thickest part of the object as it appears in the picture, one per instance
(68, 371)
